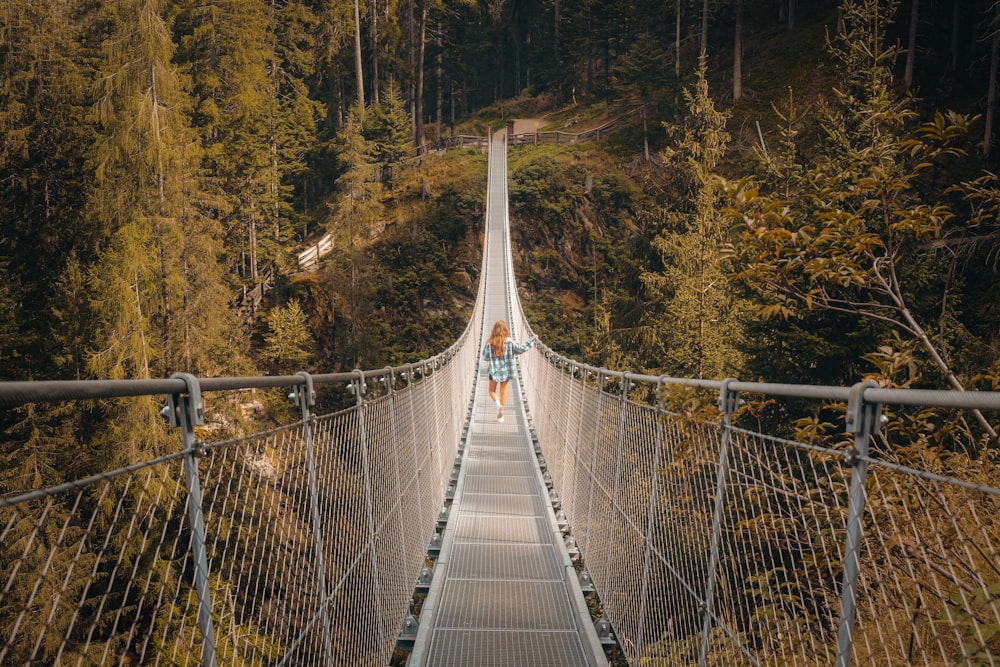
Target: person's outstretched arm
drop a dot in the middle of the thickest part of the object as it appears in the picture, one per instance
(520, 348)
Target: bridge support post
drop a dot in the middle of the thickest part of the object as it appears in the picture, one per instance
(863, 420)
(379, 631)
(728, 401)
(595, 443)
(626, 384)
(186, 410)
(661, 412)
(305, 398)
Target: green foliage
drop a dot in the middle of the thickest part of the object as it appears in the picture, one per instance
(403, 290)
(697, 317)
(849, 232)
(978, 618)
(578, 267)
(644, 70)
(387, 127)
(358, 209)
(539, 191)
(288, 341)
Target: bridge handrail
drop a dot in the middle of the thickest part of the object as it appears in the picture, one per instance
(943, 398)
(50, 391)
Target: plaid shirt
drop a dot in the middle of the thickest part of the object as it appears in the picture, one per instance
(502, 368)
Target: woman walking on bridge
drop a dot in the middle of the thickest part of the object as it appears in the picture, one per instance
(499, 351)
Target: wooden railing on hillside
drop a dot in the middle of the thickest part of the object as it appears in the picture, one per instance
(560, 137)
(252, 297)
(456, 141)
(309, 258)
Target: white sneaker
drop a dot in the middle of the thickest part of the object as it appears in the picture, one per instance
(499, 412)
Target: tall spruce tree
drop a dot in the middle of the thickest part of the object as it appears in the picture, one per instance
(356, 213)
(159, 297)
(44, 136)
(700, 320)
(388, 130)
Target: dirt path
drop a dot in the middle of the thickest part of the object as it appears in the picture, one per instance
(526, 125)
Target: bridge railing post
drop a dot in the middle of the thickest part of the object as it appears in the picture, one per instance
(359, 388)
(305, 397)
(863, 420)
(594, 445)
(186, 410)
(728, 401)
(625, 385)
(661, 412)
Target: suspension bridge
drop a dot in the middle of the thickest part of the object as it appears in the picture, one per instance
(598, 523)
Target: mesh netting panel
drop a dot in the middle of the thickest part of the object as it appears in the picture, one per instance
(639, 489)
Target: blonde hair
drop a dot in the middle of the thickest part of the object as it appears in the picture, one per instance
(498, 337)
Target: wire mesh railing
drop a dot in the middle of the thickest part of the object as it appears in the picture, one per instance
(298, 545)
(710, 543)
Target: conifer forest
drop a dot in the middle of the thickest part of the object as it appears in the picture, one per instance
(801, 191)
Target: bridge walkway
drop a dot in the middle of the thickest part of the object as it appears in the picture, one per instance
(504, 590)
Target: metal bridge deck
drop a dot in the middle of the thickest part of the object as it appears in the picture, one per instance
(505, 592)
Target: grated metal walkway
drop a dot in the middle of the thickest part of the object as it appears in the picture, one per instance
(504, 592)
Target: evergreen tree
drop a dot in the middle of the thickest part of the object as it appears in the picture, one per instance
(700, 319)
(288, 341)
(356, 215)
(388, 129)
(44, 135)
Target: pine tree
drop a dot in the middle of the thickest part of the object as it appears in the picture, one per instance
(358, 209)
(700, 320)
(356, 214)
(288, 341)
(44, 136)
(388, 129)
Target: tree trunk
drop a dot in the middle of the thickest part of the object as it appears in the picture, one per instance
(645, 135)
(357, 54)
(516, 48)
(375, 51)
(911, 46)
(556, 37)
(419, 103)
(439, 76)
(991, 99)
(956, 17)
(411, 57)
(704, 29)
(791, 13)
(944, 367)
(677, 42)
(738, 53)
